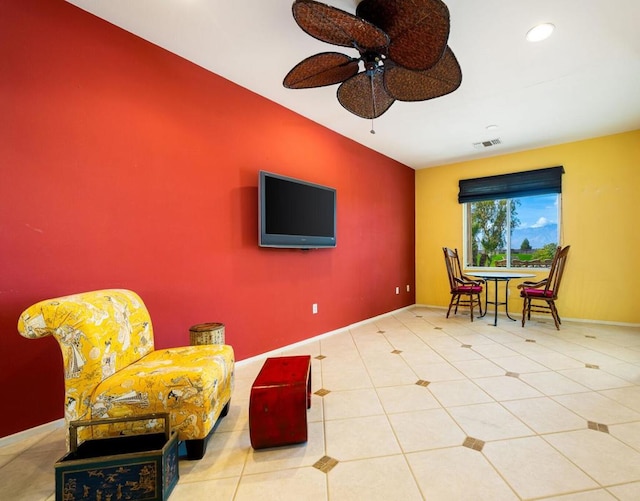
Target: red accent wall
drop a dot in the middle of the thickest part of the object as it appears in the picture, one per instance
(123, 165)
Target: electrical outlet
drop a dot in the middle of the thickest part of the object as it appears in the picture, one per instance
(397, 290)
(314, 308)
(408, 288)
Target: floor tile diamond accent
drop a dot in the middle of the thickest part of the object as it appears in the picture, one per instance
(396, 352)
(418, 316)
(325, 464)
(320, 357)
(438, 328)
(380, 332)
(592, 366)
(598, 427)
(321, 392)
(465, 346)
(512, 374)
(530, 340)
(591, 337)
(422, 382)
(473, 443)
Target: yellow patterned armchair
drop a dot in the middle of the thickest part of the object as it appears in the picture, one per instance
(112, 370)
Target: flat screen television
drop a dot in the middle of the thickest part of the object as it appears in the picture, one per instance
(295, 214)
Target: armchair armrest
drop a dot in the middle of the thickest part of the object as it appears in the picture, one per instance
(533, 285)
(465, 280)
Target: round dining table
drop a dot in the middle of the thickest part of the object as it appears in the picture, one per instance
(498, 276)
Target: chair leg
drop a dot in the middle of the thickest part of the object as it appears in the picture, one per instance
(450, 305)
(554, 314)
(557, 314)
(524, 310)
(471, 305)
(196, 448)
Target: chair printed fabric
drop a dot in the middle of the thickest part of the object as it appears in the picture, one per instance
(464, 290)
(545, 290)
(111, 368)
(192, 383)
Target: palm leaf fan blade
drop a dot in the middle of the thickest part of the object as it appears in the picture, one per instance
(408, 85)
(418, 29)
(337, 27)
(364, 95)
(326, 68)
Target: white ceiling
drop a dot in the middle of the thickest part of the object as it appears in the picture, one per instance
(582, 82)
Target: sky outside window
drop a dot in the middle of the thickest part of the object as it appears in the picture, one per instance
(538, 221)
(538, 211)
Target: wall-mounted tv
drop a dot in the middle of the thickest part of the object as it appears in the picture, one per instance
(295, 214)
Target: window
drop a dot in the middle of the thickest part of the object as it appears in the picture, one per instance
(517, 232)
(512, 220)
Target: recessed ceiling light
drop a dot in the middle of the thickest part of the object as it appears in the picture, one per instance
(540, 32)
(492, 127)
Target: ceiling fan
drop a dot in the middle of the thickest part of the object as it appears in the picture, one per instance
(402, 44)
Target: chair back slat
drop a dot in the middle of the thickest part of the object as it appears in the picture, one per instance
(557, 270)
(454, 271)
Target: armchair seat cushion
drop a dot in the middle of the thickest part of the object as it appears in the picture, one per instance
(192, 383)
(536, 293)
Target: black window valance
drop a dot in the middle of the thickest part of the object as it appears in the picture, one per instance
(517, 184)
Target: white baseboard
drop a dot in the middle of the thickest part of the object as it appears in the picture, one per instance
(601, 322)
(31, 432)
(577, 320)
(276, 352)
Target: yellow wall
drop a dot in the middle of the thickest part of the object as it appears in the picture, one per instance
(600, 200)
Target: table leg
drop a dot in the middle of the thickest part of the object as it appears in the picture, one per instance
(506, 300)
(486, 298)
(495, 304)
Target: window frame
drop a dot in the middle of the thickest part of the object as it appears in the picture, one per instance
(516, 185)
(467, 236)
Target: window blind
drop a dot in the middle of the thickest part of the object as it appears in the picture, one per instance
(517, 184)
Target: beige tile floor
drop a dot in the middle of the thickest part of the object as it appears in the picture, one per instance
(420, 407)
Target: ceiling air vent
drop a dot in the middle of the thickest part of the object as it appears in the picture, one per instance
(486, 144)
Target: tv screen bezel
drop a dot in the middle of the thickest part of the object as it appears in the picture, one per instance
(287, 241)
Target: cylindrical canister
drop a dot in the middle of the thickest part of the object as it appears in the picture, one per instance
(209, 333)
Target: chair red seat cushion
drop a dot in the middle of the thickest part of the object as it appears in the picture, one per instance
(469, 288)
(536, 293)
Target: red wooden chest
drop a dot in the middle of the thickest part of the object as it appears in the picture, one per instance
(280, 397)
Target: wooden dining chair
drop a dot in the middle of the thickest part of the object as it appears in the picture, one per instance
(464, 290)
(545, 292)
